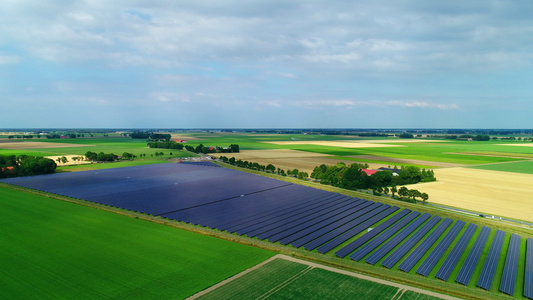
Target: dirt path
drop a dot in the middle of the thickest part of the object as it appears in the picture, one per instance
(401, 287)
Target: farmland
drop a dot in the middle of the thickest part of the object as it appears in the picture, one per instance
(493, 192)
(480, 176)
(55, 249)
(266, 210)
(284, 279)
(449, 159)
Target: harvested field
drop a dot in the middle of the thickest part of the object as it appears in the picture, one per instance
(407, 161)
(37, 145)
(493, 192)
(291, 159)
(70, 162)
(183, 137)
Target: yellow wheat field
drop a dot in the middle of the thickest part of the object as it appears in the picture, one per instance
(491, 192)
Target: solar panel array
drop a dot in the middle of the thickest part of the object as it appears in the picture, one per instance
(507, 285)
(528, 278)
(452, 258)
(471, 261)
(277, 211)
(489, 268)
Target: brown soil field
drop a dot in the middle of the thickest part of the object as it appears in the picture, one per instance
(37, 145)
(407, 161)
(490, 192)
(183, 137)
(70, 160)
(291, 159)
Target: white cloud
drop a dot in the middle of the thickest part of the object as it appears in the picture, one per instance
(422, 104)
(170, 97)
(9, 59)
(349, 103)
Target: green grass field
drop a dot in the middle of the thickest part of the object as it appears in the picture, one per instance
(457, 152)
(51, 249)
(282, 279)
(525, 167)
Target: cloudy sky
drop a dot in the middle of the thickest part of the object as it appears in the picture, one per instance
(266, 64)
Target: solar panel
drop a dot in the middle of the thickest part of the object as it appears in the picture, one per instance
(394, 241)
(269, 225)
(507, 285)
(417, 254)
(297, 232)
(528, 278)
(324, 225)
(277, 230)
(298, 203)
(452, 259)
(380, 239)
(307, 237)
(456, 253)
(430, 262)
(335, 238)
(369, 235)
(491, 262)
(392, 259)
(471, 261)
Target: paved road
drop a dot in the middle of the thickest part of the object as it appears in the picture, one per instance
(478, 214)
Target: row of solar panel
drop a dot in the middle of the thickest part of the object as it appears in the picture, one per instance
(376, 244)
(304, 217)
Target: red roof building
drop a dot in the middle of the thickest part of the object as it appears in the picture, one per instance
(369, 172)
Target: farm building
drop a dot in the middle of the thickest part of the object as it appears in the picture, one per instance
(369, 172)
(395, 172)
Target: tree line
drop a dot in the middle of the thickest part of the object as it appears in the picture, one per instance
(25, 165)
(270, 168)
(233, 148)
(150, 135)
(353, 177)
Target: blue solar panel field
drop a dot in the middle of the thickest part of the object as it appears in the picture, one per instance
(489, 268)
(290, 214)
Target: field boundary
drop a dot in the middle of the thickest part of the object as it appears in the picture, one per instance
(401, 287)
(216, 286)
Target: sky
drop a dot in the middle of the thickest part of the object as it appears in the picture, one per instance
(266, 64)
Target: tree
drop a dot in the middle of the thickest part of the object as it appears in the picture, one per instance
(271, 168)
(58, 160)
(302, 175)
(64, 159)
(424, 197)
(385, 190)
(403, 192)
(393, 190)
(405, 136)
